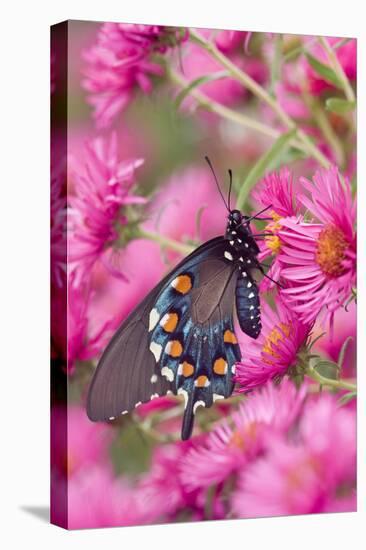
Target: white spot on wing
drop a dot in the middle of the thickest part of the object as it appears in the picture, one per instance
(251, 295)
(228, 256)
(249, 284)
(153, 319)
(154, 379)
(168, 373)
(233, 369)
(156, 350)
(112, 417)
(198, 404)
(184, 392)
(138, 404)
(231, 242)
(217, 396)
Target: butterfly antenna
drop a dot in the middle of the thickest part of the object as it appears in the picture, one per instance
(258, 213)
(230, 185)
(217, 183)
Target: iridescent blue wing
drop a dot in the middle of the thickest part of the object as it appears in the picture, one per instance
(192, 333)
(180, 338)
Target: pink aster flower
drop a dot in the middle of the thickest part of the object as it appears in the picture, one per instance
(275, 191)
(311, 472)
(319, 259)
(100, 187)
(239, 440)
(122, 61)
(275, 351)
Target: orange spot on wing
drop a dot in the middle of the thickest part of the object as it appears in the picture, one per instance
(174, 348)
(169, 322)
(182, 284)
(229, 337)
(220, 366)
(187, 369)
(201, 381)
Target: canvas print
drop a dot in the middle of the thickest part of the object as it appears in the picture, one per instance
(203, 274)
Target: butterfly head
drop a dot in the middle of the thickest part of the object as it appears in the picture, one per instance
(237, 220)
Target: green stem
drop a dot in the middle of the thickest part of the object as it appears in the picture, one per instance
(336, 384)
(165, 242)
(220, 109)
(338, 69)
(229, 114)
(262, 94)
(328, 132)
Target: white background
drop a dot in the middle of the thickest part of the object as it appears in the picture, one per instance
(24, 304)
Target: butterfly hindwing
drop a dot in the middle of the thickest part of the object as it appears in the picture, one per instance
(192, 334)
(128, 373)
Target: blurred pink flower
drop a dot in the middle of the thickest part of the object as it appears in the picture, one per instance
(188, 194)
(344, 326)
(58, 211)
(238, 440)
(121, 61)
(162, 489)
(319, 259)
(310, 473)
(227, 41)
(197, 63)
(97, 499)
(347, 57)
(100, 188)
(84, 342)
(275, 350)
(87, 442)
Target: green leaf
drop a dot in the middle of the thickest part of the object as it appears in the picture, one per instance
(339, 106)
(343, 351)
(196, 83)
(327, 369)
(263, 164)
(347, 397)
(324, 71)
(131, 450)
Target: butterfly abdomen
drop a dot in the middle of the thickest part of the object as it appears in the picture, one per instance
(248, 306)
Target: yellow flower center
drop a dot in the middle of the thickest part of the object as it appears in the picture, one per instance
(330, 251)
(276, 335)
(273, 241)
